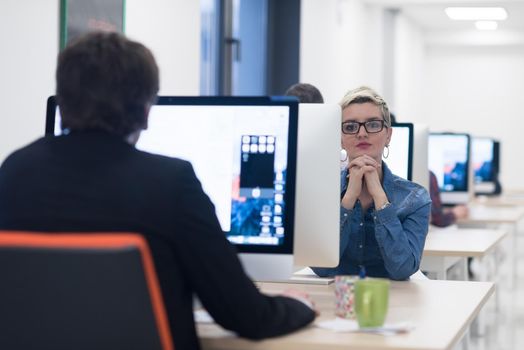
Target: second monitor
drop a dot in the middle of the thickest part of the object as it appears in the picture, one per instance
(449, 160)
(485, 154)
(400, 156)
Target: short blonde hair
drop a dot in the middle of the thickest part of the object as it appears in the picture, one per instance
(365, 94)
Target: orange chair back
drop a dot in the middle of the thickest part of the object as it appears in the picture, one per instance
(23, 252)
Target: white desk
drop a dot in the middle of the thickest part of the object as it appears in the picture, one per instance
(504, 200)
(440, 310)
(508, 217)
(446, 247)
(486, 214)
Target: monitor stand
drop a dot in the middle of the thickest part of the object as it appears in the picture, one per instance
(307, 276)
(265, 267)
(484, 188)
(453, 198)
(279, 268)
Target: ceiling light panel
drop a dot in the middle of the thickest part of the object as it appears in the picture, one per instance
(476, 13)
(486, 25)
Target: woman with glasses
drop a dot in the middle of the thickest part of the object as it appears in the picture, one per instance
(384, 218)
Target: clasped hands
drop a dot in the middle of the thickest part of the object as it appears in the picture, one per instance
(364, 173)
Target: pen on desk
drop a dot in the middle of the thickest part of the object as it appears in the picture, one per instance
(362, 272)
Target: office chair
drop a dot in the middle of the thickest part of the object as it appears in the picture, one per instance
(79, 291)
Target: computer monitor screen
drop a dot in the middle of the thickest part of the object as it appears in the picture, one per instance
(317, 214)
(448, 159)
(485, 159)
(243, 151)
(400, 155)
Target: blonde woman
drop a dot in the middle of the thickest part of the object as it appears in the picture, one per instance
(384, 218)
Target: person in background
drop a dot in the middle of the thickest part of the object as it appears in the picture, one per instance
(306, 93)
(384, 218)
(93, 179)
(441, 216)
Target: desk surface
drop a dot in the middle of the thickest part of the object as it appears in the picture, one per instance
(463, 242)
(440, 310)
(504, 200)
(484, 214)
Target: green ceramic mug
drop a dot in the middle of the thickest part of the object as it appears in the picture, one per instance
(371, 301)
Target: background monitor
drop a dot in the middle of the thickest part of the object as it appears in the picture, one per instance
(243, 151)
(449, 158)
(420, 155)
(485, 162)
(317, 213)
(400, 158)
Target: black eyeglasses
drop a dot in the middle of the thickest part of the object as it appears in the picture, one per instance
(371, 126)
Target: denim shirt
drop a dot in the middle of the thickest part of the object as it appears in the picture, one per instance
(388, 242)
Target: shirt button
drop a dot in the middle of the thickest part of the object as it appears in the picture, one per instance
(361, 224)
(345, 214)
(374, 217)
(360, 246)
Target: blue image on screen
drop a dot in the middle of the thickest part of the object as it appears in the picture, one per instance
(456, 179)
(257, 210)
(483, 150)
(484, 173)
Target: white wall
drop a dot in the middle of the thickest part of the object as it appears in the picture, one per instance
(340, 46)
(348, 43)
(409, 72)
(29, 33)
(171, 29)
(29, 41)
(479, 89)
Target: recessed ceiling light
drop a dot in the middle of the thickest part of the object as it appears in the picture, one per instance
(477, 13)
(486, 25)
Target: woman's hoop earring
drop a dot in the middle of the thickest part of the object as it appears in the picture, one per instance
(343, 155)
(386, 154)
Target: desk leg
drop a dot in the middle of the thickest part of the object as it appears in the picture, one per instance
(442, 272)
(438, 266)
(478, 327)
(513, 254)
(464, 269)
(461, 266)
(494, 270)
(465, 342)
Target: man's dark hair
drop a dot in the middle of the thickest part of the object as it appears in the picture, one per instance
(306, 93)
(105, 82)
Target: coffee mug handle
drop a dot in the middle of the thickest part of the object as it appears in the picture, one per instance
(366, 304)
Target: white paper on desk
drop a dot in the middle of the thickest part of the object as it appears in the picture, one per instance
(343, 325)
(202, 316)
(339, 325)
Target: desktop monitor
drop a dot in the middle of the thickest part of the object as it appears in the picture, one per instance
(485, 159)
(420, 155)
(400, 158)
(449, 158)
(243, 150)
(317, 210)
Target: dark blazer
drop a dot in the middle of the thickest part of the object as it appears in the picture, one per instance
(94, 181)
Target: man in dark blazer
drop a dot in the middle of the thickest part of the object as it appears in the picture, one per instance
(94, 179)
